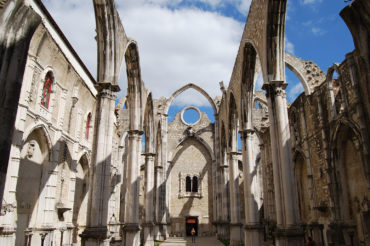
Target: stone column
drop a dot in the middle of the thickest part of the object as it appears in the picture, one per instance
(96, 232)
(131, 228)
(288, 232)
(235, 223)
(162, 199)
(224, 178)
(252, 229)
(149, 201)
(215, 178)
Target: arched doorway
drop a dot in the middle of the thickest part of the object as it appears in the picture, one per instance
(34, 157)
(350, 189)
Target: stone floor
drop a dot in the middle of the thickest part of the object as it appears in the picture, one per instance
(199, 241)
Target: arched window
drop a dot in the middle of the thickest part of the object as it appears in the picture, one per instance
(46, 90)
(88, 125)
(195, 184)
(188, 184)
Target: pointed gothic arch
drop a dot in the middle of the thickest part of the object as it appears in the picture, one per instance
(199, 139)
(44, 128)
(233, 124)
(148, 125)
(184, 88)
(135, 86)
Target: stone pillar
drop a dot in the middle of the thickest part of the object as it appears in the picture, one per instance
(96, 232)
(288, 232)
(162, 198)
(223, 228)
(252, 229)
(235, 223)
(158, 208)
(131, 228)
(215, 178)
(149, 202)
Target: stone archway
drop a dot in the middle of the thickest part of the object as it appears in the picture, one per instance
(184, 88)
(191, 160)
(34, 162)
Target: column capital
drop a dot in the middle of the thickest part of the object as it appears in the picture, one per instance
(293, 232)
(253, 227)
(246, 132)
(234, 153)
(131, 227)
(275, 87)
(149, 154)
(148, 224)
(107, 93)
(107, 86)
(135, 132)
(99, 233)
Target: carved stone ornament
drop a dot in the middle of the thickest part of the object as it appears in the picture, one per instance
(31, 149)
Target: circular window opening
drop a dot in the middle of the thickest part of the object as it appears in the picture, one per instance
(190, 115)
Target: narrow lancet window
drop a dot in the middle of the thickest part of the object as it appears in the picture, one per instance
(188, 184)
(88, 123)
(46, 90)
(195, 184)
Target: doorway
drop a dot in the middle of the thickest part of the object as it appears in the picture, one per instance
(191, 222)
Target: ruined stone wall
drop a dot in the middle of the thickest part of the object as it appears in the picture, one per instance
(190, 151)
(330, 164)
(55, 141)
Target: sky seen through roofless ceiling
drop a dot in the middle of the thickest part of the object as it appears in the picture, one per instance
(196, 41)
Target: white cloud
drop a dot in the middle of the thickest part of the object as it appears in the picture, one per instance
(307, 23)
(311, 1)
(318, 31)
(213, 3)
(259, 82)
(289, 46)
(77, 21)
(295, 91)
(244, 6)
(176, 47)
(289, 10)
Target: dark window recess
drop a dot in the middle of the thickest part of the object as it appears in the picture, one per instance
(188, 184)
(195, 184)
(46, 90)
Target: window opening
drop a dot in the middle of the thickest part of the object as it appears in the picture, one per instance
(88, 123)
(195, 184)
(188, 184)
(46, 91)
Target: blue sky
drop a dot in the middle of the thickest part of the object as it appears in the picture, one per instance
(196, 41)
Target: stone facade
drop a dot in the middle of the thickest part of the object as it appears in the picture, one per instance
(48, 179)
(83, 170)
